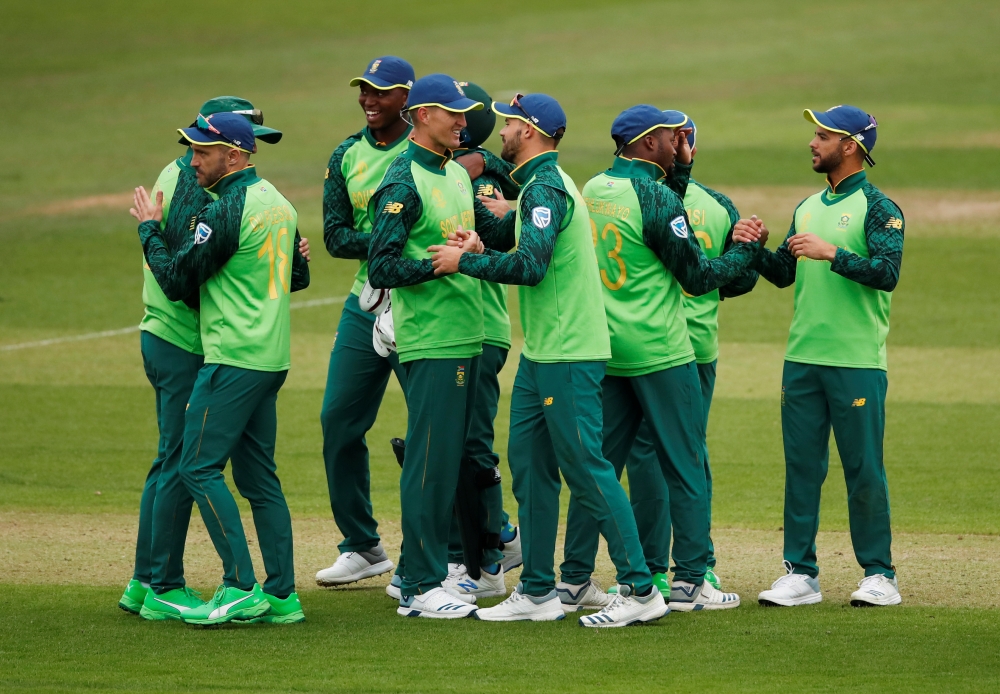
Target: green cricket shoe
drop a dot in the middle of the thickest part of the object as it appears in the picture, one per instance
(660, 582)
(711, 578)
(228, 604)
(173, 604)
(287, 611)
(132, 598)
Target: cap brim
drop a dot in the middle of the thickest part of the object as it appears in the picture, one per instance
(268, 135)
(507, 111)
(194, 136)
(377, 83)
(457, 106)
(669, 126)
(676, 123)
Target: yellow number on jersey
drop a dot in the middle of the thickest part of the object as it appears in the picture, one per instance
(270, 246)
(613, 254)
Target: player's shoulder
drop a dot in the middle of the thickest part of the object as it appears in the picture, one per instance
(880, 204)
(341, 150)
(263, 195)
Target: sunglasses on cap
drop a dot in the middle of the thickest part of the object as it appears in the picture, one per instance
(256, 115)
(872, 124)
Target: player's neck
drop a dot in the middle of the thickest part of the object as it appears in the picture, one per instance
(391, 133)
(422, 138)
(846, 168)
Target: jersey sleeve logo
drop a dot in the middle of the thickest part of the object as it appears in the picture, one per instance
(393, 208)
(201, 233)
(894, 223)
(679, 227)
(541, 217)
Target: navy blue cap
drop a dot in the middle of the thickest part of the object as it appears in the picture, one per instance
(850, 121)
(229, 129)
(540, 111)
(441, 91)
(681, 119)
(638, 121)
(387, 72)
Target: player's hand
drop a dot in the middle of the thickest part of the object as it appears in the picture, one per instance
(746, 231)
(474, 163)
(445, 259)
(146, 210)
(811, 246)
(683, 147)
(762, 227)
(466, 240)
(497, 205)
(304, 248)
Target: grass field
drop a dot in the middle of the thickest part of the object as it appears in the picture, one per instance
(91, 94)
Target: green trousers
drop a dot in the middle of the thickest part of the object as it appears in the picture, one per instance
(164, 517)
(670, 403)
(440, 399)
(355, 384)
(648, 490)
(479, 447)
(233, 408)
(556, 424)
(852, 402)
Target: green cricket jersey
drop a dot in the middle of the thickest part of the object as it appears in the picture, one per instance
(560, 294)
(646, 255)
(841, 313)
(712, 217)
(424, 197)
(244, 256)
(174, 321)
(354, 172)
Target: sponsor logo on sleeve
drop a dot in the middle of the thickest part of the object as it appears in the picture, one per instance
(202, 233)
(679, 227)
(541, 217)
(485, 189)
(894, 223)
(393, 208)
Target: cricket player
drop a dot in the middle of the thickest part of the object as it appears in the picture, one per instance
(423, 198)
(244, 257)
(172, 355)
(712, 218)
(843, 252)
(648, 258)
(358, 376)
(556, 403)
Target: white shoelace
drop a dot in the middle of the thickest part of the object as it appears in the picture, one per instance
(620, 602)
(788, 578)
(872, 581)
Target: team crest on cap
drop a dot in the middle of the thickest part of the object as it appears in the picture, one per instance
(201, 233)
(374, 67)
(458, 86)
(541, 217)
(679, 227)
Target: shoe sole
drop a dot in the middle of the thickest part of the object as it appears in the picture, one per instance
(397, 597)
(700, 607)
(156, 615)
(373, 570)
(130, 606)
(894, 600)
(794, 602)
(244, 615)
(293, 618)
(535, 618)
(613, 625)
(570, 609)
(411, 612)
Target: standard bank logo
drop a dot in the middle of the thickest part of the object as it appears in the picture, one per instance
(541, 217)
(201, 233)
(679, 227)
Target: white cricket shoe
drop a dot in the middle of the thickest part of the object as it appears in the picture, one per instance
(791, 589)
(520, 607)
(354, 566)
(392, 590)
(877, 590)
(512, 552)
(436, 603)
(626, 609)
(687, 597)
(486, 586)
(455, 570)
(587, 596)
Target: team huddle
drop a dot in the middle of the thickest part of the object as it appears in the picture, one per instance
(619, 287)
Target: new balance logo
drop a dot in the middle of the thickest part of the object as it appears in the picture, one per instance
(547, 401)
(393, 208)
(858, 402)
(894, 223)
(468, 585)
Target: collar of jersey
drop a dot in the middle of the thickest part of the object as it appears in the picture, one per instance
(851, 184)
(382, 146)
(185, 161)
(524, 171)
(635, 168)
(428, 159)
(243, 177)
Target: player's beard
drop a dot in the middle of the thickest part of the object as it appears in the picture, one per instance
(828, 163)
(511, 146)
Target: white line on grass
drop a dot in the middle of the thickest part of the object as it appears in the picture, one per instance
(125, 331)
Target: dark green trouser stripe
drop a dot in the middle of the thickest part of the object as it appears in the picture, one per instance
(356, 381)
(556, 427)
(669, 402)
(232, 413)
(815, 399)
(165, 509)
(440, 404)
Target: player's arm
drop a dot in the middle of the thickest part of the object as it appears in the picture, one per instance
(500, 170)
(342, 240)
(215, 241)
(394, 209)
(665, 230)
(778, 267)
(496, 233)
(300, 267)
(529, 262)
(884, 234)
(745, 283)
(678, 178)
